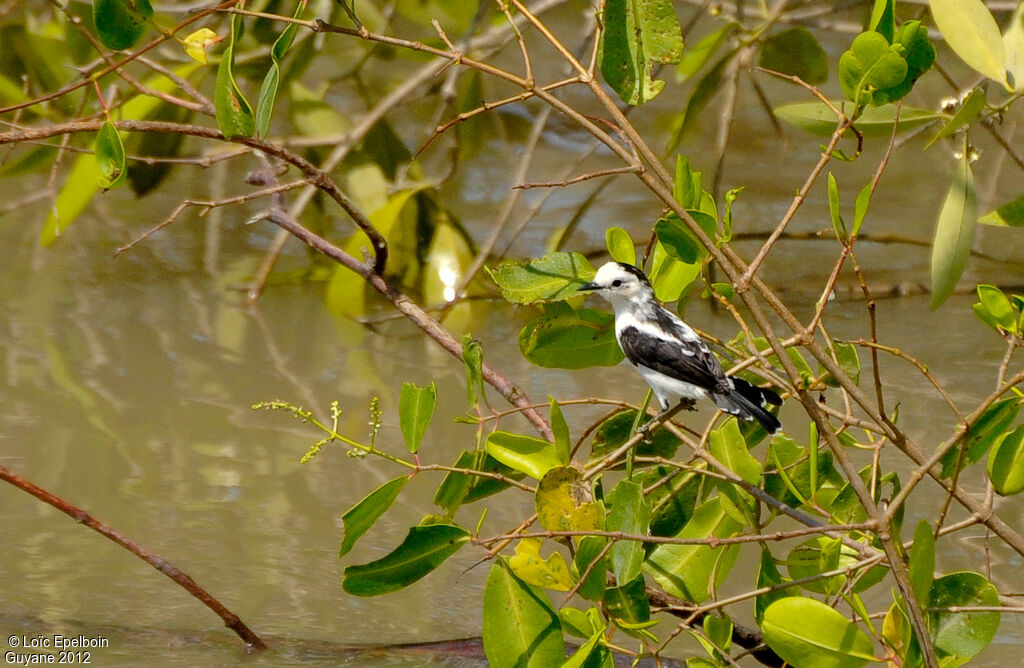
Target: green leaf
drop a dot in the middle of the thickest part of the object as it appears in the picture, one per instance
(628, 602)
(359, 518)
(809, 634)
(838, 224)
(848, 359)
(576, 622)
(233, 113)
(695, 57)
(768, 576)
(672, 503)
(954, 233)
(795, 51)
(530, 567)
(1010, 214)
(617, 429)
(971, 31)
(637, 36)
(268, 91)
(532, 456)
(425, 548)
(962, 634)
(620, 245)
(120, 23)
(670, 277)
(415, 408)
(588, 552)
(582, 658)
(983, 433)
(998, 307)
(922, 562)
(718, 629)
(564, 501)
(690, 571)
(677, 239)
(554, 277)
(265, 101)
(460, 488)
(883, 18)
(968, 111)
(567, 338)
(818, 119)
(860, 207)
(728, 446)
(1013, 43)
(871, 64)
(629, 514)
(473, 356)
(1006, 463)
(109, 156)
(820, 555)
(521, 628)
(560, 428)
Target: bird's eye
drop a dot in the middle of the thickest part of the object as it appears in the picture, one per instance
(616, 283)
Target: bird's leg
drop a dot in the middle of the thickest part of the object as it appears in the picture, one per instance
(683, 405)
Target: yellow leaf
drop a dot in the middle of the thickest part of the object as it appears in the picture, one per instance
(530, 567)
(197, 43)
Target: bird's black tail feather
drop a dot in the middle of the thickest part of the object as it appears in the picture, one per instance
(746, 401)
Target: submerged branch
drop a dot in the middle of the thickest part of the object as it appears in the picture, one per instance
(231, 620)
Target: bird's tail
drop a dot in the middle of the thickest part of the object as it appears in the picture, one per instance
(746, 401)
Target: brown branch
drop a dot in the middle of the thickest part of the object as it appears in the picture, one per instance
(231, 620)
(513, 394)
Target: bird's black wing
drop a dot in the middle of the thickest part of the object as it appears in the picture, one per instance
(689, 362)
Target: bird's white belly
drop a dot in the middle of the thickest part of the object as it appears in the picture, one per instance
(669, 390)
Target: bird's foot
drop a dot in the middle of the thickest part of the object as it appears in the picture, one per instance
(688, 404)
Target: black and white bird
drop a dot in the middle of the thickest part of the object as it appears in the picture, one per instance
(669, 355)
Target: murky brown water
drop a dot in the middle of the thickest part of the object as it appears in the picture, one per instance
(125, 386)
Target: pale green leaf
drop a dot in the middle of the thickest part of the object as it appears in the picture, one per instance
(1013, 43)
(809, 634)
(532, 456)
(521, 628)
(818, 119)
(954, 233)
(620, 245)
(972, 32)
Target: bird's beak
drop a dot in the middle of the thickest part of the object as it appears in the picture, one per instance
(588, 286)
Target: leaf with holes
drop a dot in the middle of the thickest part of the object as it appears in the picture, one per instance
(638, 35)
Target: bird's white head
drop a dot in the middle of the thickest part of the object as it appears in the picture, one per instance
(620, 283)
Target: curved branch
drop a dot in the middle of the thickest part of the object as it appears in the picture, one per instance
(231, 620)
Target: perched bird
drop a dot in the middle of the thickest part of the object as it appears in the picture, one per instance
(669, 355)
